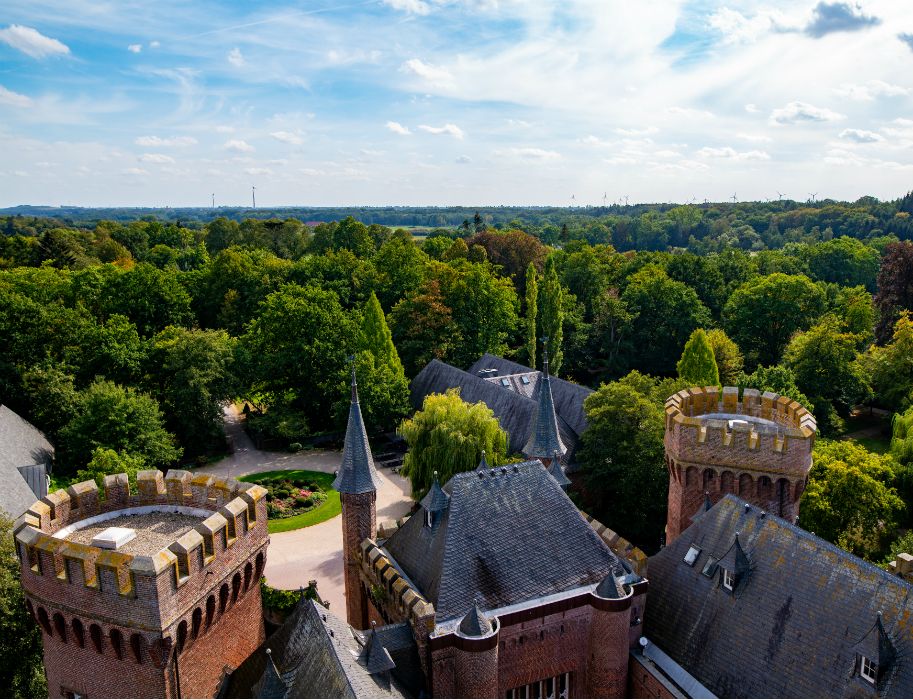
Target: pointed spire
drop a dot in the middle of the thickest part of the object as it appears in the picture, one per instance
(557, 472)
(272, 685)
(483, 463)
(436, 499)
(356, 473)
(474, 623)
(544, 439)
(608, 587)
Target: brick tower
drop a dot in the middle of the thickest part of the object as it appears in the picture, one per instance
(357, 483)
(152, 594)
(759, 448)
(544, 441)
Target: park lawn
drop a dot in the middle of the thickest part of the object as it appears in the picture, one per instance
(330, 508)
(878, 444)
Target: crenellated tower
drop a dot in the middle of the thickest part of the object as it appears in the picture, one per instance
(357, 482)
(758, 448)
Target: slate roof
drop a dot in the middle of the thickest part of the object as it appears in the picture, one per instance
(317, 655)
(25, 454)
(544, 439)
(474, 623)
(509, 536)
(513, 408)
(357, 473)
(436, 499)
(790, 629)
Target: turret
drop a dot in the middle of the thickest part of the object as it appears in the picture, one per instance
(544, 439)
(357, 481)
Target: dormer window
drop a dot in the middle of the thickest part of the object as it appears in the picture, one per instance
(868, 669)
(709, 567)
(728, 579)
(692, 554)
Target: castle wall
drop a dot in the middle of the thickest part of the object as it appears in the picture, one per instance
(359, 522)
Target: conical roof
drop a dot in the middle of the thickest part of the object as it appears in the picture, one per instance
(544, 438)
(483, 463)
(374, 656)
(436, 499)
(272, 685)
(608, 587)
(557, 472)
(876, 646)
(474, 623)
(356, 473)
(736, 561)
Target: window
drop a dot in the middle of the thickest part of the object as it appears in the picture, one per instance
(868, 669)
(524, 379)
(709, 567)
(692, 554)
(505, 381)
(554, 687)
(728, 579)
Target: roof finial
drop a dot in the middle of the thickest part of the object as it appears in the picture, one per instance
(483, 463)
(351, 360)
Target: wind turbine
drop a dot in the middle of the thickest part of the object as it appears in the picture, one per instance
(780, 196)
(605, 196)
(253, 195)
(626, 200)
(813, 195)
(734, 197)
(213, 200)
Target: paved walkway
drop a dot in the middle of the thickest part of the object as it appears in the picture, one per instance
(315, 552)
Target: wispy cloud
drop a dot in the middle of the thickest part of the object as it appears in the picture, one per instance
(447, 130)
(159, 142)
(802, 112)
(427, 71)
(295, 139)
(31, 42)
(729, 153)
(14, 99)
(414, 7)
(529, 153)
(135, 48)
(907, 39)
(159, 158)
(398, 128)
(861, 136)
(236, 58)
(238, 146)
(871, 90)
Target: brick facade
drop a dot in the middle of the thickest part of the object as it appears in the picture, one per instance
(644, 681)
(709, 456)
(169, 624)
(359, 523)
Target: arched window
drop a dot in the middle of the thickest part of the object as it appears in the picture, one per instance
(97, 638)
(136, 647)
(746, 486)
(44, 620)
(210, 610)
(235, 587)
(709, 480)
(248, 575)
(195, 621)
(60, 627)
(117, 643)
(727, 482)
(691, 476)
(182, 635)
(223, 598)
(765, 490)
(259, 567)
(79, 634)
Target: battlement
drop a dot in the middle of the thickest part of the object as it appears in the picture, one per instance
(206, 516)
(406, 599)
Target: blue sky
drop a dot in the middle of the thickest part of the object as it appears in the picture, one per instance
(121, 102)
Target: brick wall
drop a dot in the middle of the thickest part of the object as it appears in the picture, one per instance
(643, 683)
(359, 522)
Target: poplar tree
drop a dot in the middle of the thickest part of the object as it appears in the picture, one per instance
(698, 364)
(532, 303)
(375, 336)
(552, 317)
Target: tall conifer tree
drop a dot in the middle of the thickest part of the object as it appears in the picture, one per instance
(532, 306)
(552, 316)
(698, 364)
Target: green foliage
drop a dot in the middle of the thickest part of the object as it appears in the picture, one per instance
(532, 300)
(105, 462)
(551, 315)
(890, 367)
(118, 418)
(850, 500)
(423, 328)
(284, 602)
(902, 437)
(697, 365)
(728, 357)
(21, 670)
(778, 379)
(448, 436)
(762, 315)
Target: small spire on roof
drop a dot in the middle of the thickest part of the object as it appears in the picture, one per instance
(351, 359)
(436, 500)
(356, 474)
(557, 472)
(483, 463)
(544, 439)
(608, 587)
(374, 655)
(474, 622)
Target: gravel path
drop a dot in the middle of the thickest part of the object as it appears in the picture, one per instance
(315, 552)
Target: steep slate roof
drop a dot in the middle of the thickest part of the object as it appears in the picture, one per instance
(22, 447)
(317, 655)
(356, 473)
(513, 410)
(509, 535)
(792, 627)
(544, 439)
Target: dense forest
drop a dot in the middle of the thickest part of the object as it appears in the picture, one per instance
(124, 331)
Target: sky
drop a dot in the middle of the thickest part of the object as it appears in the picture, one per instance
(441, 102)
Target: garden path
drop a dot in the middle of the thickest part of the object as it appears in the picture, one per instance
(314, 552)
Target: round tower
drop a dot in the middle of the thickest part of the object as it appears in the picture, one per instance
(475, 666)
(146, 594)
(758, 448)
(607, 671)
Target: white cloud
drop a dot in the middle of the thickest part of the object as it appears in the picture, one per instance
(596, 141)
(463, 159)
(428, 71)
(288, 137)
(529, 153)
(752, 108)
(14, 99)
(223, 129)
(156, 158)
(620, 160)
(258, 171)
(690, 112)
(135, 171)
(135, 48)
(447, 129)
(238, 146)
(871, 90)
(154, 44)
(737, 28)
(637, 132)
(413, 7)
(236, 58)
(31, 42)
(159, 142)
(801, 112)
(755, 138)
(861, 136)
(729, 153)
(398, 128)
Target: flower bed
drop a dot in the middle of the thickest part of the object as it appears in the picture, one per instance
(297, 498)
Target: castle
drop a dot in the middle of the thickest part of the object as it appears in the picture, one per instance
(496, 586)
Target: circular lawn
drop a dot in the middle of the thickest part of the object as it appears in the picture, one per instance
(297, 498)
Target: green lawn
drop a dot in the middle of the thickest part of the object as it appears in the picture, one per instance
(878, 444)
(330, 508)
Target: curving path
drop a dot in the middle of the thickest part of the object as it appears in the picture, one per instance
(315, 552)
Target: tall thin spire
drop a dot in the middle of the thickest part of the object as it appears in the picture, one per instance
(544, 439)
(356, 473)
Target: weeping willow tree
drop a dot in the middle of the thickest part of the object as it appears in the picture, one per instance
(447, 436)
(902, 437)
